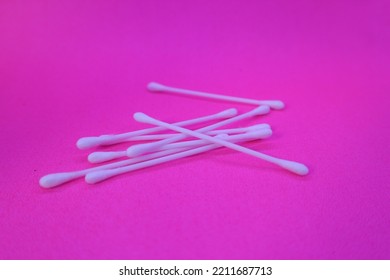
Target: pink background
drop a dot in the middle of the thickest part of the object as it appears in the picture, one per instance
(79, 68)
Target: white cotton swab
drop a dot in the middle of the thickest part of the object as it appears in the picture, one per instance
(94, 141)
(56, 179)
(295, 167)
(156, 87)
(98, 157)
(98, 176)
(229, 131)
(140, 149)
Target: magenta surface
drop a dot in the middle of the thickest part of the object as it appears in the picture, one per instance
(79, 68)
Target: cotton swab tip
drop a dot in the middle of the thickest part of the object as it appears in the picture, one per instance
(93, 141)
(140, 149)
(141, 117)
(98, 176)
(155, 87)
(228, 113)
(87, 142)
(97, 157)
(295, 167)
(262, 110)
(262, 133)
(259, 126)
(274, 104)
(56, 179)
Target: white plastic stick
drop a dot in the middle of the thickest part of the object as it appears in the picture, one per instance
(156, 87)
(56, 179)
(98, 176)
(98, 157)
(153, 137)
(110, 139)
(239, 129)
(295, 167)
(140, 149)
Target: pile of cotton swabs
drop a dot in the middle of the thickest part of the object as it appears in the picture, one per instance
(167, 147)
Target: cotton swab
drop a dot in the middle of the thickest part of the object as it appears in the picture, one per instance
(98, 176)
(156, 87)
(98, 157)
(94, 141)
(152, 137)
(140, 149)
(295, 167)
(56, 179)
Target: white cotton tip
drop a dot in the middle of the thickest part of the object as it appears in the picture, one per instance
(97, 157)
(141, 117)
(87, 142)
(295, 167)
(56, 179)
(274, 104)
(259, 134)
(141, 149)
(261, 110)
(93, 141)
(228, 113)
(98, 176)
(259, 126)
(155, 87)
